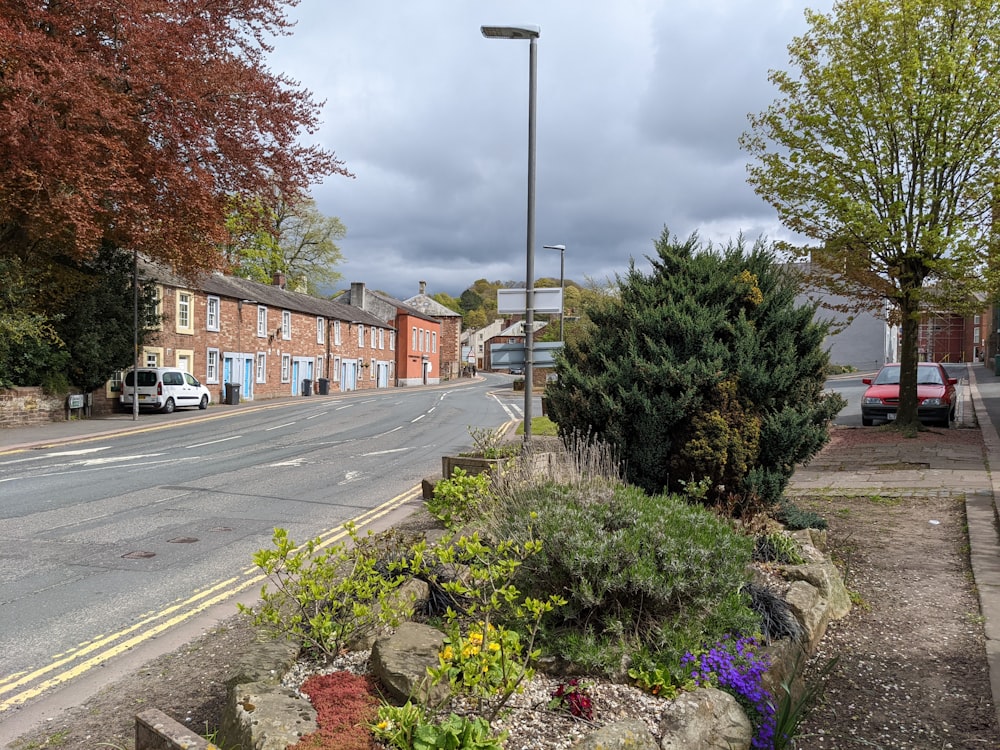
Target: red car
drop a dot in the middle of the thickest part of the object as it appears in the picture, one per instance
(935, 395)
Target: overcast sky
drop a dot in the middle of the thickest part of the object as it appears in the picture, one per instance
(639, 107)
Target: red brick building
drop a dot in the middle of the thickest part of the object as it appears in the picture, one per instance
(265, 339)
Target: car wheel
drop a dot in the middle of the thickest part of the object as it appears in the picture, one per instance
(168, 408)
(203, 404)
(867, 422)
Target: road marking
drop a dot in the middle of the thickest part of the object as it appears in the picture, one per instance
(109, 646)
(417, 419)
(278, 427)
(290, 462)
(213, 442)
(80, 452)
(316, 415)
(385, 453)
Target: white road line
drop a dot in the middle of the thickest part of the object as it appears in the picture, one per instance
(279, 426)
(417, 419)
(213, 442)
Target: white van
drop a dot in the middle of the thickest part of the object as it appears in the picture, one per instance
(164, 388)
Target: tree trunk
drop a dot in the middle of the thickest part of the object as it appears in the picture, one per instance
(906, 415)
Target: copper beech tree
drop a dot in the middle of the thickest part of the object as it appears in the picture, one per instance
(885, 148)
(138, 123)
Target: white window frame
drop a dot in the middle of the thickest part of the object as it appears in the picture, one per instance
(415, 339)
(336, 333)
(421, 341)
(286, 368)
(336, 370)
(286, 325)
(392, 341)
(212, 366)
(371, 366)
(434, 342)
(212, 307)
(261, 322)
(319, 367)
(381, 338)
(185, 312)
(261, 367)
(320, 330)
(373, 338)
(361, 336)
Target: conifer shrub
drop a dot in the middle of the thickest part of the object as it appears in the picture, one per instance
(706, 368)
(637, 571)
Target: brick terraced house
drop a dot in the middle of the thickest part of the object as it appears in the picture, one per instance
(265, 338)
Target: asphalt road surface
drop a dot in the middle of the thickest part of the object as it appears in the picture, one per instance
(113, 549)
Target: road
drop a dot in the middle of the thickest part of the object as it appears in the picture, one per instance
(109, 546)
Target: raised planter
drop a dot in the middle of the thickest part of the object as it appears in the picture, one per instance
(470, 465)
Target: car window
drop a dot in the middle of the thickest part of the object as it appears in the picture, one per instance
(190, 379)
(929, 376)
(147, 378)
(887, 376)
(172, 378)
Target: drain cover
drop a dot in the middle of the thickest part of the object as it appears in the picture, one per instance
(138, 555)
(182, 540)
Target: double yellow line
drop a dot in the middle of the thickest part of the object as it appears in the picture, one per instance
(76, 662)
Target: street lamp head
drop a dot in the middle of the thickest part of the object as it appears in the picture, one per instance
(554, 247)
(511, 32)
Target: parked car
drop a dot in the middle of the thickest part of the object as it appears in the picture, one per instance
(935, 395)
(164, 388)
(517, 371)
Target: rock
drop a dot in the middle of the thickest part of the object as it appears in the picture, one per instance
(812, 611)
(622, 735)
(825, 577)
(705, 719)
(266, 717)
(400, 662)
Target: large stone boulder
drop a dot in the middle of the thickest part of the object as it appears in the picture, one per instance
(705, 719)
(400, 662)
(825, 577)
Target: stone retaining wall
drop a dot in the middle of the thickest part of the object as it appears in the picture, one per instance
(24, 407)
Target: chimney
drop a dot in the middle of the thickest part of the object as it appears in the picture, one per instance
(278, 280)
(423, 287)
(358, 294)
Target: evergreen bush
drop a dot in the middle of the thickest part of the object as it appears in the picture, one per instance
(706, 368)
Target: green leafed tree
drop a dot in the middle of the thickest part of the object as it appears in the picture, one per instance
(705, 370)
(298, 241)
(70, 322)
(883, 146)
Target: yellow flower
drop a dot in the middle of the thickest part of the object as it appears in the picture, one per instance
(383, 725)
(447, 654)
(494, 647)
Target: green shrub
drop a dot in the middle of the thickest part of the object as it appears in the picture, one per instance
(707, 366)
(796, 519)
(459, 499)
(776, 547)
(408, 727)
(637, 571)
(326, 597)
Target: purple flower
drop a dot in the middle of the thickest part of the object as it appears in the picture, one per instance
(735, 666)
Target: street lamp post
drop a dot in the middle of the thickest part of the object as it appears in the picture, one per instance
(531, 33)
(562, 284)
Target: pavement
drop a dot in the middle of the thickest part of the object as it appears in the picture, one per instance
(961, 470)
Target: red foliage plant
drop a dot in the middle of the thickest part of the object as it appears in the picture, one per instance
(141, 124)
(346, 704)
